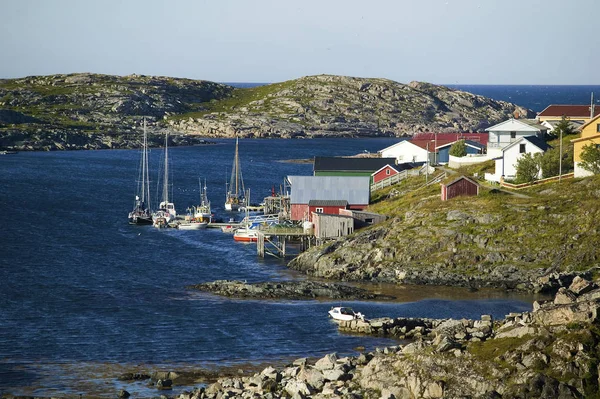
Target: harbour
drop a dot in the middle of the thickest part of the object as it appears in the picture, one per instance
(82, 286)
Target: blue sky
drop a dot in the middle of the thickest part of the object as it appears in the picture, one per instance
(438, 41)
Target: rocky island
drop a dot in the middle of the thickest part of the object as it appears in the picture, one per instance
(91, 111)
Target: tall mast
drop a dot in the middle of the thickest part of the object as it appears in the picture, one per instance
(145, 171)
(237, 167)
(166, 176)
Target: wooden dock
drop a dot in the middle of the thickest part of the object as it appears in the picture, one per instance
(273, 241)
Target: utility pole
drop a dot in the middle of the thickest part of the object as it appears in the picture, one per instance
(427, 164)
(560, 157)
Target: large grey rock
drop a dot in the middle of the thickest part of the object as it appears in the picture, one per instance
(327, 362)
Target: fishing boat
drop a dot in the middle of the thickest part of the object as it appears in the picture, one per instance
(141, 213)
(166, 213)
(202, 212)
(341, 313)
(235, 191)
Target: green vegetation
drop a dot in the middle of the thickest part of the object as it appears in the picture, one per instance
(528, 168)
(590, 158)
(458, 149)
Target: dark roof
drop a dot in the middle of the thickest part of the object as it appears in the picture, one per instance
(328, 203)
(538, 142)
(459, 179)
(570, 111)
(351, 164)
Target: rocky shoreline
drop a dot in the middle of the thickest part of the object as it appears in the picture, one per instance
(296, 290)
(551, 351)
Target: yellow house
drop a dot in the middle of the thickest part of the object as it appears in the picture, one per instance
(590, 134)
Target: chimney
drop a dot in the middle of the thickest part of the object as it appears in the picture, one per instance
(592, 107)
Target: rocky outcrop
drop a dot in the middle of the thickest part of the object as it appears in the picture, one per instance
(527, 355)
(300, 290)
(334, 106)
(315, 106)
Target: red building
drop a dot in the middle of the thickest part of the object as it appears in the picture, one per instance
(384, 172)
(461, 186)
(329, 207)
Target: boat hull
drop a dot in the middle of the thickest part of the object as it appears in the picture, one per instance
(245, 235)
(140, 220)
(192, 226)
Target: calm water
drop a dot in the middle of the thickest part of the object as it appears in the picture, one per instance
(79, 287)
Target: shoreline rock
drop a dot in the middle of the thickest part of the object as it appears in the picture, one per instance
(296, 290)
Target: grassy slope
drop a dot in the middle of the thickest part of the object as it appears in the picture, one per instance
(556, 225)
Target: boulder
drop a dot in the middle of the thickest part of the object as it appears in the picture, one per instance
(580, 286)
(327, 362)
(564, 297)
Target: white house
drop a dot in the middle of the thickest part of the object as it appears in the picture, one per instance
(510, 131)
(506, 163)
(414, 151)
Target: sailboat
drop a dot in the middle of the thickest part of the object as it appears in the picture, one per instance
(247, 233)
(166, 212)
(141, 213)
(234, 200)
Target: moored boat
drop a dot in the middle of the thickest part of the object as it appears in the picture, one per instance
(234, 200)
(192, 225)
(166, 212)
(141, 213)
(344, 313)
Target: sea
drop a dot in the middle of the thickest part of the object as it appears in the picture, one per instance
(85, 297)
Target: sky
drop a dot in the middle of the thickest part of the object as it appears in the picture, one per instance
(439, 41)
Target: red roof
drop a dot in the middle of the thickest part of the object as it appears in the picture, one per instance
(451, 137)
(570, 111)
(432, 143)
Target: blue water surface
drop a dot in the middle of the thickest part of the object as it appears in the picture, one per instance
(78, 285)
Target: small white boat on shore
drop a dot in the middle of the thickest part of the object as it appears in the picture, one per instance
(342, 313)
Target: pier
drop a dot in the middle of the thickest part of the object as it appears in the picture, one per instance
(274, 240)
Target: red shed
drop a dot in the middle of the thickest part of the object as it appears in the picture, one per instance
(461, 186)
(330, 207)
(386, 171)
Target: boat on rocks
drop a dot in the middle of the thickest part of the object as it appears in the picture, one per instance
(234, 199)
(343, 313)
(166, 213)
(141, 213)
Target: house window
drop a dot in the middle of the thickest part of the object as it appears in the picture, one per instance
(513, 135)
(369, 220)
(319, 210)
(521, 148)
(387, 172)
(598, 127)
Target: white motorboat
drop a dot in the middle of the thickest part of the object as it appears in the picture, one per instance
(342, 313)
(192, 225)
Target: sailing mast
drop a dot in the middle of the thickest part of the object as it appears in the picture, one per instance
(145, 171)
(166, 175)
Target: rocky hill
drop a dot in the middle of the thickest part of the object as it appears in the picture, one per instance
(103, 111)
(496, 239)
